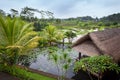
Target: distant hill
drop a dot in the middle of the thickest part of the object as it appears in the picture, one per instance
(85, 18)
(112, 18)
(109, 18)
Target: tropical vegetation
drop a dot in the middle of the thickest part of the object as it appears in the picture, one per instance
(17, 38)
(62, 60)
(21, 34)
(23, 73)
(97, 65)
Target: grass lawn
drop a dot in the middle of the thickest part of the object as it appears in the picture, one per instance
(23, 74)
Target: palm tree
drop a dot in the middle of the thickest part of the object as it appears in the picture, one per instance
(70, 35)
(17, 37)
(14, 12)
(27, 13)
(52, 34)
(2, 12)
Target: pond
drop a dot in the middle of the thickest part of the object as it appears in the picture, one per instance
(43, 63)
(40, 60)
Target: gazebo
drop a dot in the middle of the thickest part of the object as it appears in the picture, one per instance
(106, 42)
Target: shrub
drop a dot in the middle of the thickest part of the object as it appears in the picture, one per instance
(23, 74)
(97, 65)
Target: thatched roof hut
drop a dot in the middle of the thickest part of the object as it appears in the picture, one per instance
(100, 42)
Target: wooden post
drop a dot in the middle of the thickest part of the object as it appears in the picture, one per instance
(79, 56)
(63, 44)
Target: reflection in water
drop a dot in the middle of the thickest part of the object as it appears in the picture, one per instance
(28, 59)
(40, 59)
(43, 63)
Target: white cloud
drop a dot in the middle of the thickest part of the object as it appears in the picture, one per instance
(67, 8)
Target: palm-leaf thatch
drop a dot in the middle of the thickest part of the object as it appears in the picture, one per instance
(105, 42)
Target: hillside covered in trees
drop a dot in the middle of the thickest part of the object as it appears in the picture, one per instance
(47, 18)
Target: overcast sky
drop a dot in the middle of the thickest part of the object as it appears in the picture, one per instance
(66, 8)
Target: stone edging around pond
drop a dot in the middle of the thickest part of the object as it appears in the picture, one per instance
(41, 72)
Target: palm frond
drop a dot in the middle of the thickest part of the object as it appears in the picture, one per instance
(17, 34)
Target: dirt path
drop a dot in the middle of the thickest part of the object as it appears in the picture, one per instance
(5, 76)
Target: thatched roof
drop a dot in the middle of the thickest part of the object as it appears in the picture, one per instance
(87, 48)
(100, 42)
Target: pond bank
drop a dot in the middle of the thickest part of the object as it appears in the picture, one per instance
(41, 72)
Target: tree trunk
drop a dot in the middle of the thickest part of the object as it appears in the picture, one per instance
(50, 43)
